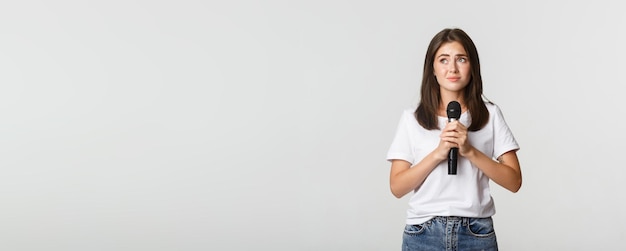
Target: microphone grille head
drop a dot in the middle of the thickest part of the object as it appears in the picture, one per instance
(454, 110)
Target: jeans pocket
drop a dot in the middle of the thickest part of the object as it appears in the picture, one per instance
(414, 229)
(481, 227)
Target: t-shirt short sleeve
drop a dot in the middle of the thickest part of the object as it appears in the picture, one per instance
(401, 145)
(504, 141)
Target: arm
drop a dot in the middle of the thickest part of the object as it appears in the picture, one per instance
(505, 172)
(404, 178)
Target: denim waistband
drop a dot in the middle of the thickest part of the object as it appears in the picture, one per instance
(463, 220)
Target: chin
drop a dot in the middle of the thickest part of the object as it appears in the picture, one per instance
(454, 88)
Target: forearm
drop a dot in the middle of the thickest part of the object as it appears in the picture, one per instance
(504, 172)
(405, 179)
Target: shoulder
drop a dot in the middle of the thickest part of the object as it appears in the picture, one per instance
(490, 105)
(495, 113)
(493, 108)
(408, 112)
(407, 116)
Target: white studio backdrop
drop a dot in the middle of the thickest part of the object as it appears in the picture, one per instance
(238, 125)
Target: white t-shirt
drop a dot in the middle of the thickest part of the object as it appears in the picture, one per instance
(465, 194)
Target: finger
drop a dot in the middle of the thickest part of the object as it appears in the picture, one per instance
(456, 126)
(450, 141)
(452, 123)
(448, 136)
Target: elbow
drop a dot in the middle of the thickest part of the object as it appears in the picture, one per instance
(516, 187)
(396, 193)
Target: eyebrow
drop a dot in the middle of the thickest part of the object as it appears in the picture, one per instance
(447, 55)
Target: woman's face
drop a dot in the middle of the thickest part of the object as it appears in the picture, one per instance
(452, 67)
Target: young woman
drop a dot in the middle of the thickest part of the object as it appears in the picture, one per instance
(452, 212)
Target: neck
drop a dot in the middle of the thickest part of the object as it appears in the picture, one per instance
(447, 99)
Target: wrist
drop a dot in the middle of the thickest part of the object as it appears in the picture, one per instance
(470, 154)
(438, 157)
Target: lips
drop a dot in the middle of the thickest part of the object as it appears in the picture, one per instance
(453, 79)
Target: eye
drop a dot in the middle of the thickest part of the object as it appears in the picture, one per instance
(443, 60)
(462, 60)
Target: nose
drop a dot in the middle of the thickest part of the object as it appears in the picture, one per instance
(452, 68)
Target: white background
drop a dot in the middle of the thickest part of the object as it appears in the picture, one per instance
(264, 125)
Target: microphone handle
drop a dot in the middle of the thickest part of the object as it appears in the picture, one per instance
(452, 158)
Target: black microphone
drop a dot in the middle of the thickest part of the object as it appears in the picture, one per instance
(454, 113)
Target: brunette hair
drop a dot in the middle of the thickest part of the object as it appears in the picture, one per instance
(426, 112)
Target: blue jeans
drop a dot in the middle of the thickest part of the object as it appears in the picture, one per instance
(451, 234)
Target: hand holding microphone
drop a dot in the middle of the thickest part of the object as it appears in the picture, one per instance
(454, 113)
